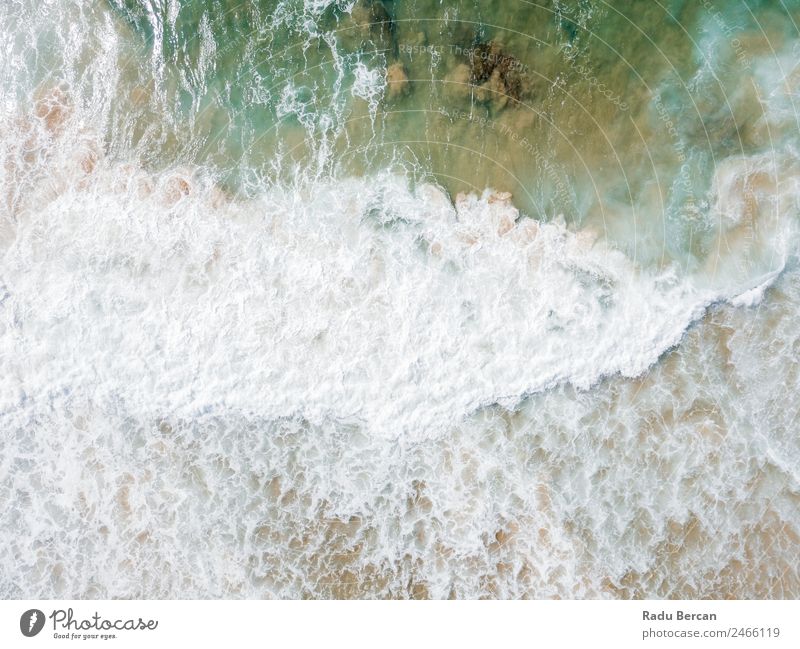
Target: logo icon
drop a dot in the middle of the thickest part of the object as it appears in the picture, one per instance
(31, 622)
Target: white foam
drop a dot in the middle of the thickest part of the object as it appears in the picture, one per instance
(183, 372)
(358, 300)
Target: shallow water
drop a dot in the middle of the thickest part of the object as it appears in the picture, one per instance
(401, 299)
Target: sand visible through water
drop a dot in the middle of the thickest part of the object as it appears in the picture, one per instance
(402, 299)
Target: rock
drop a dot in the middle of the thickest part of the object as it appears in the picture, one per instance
(493, 91)
(503, 213)
(483, 59)
(436, 201)
(493, 214)
(582, 241)
(175, 189)
(144, 187)
(89, 157)
(397, 80)
(503, 198)
(526, 232)
(372, 20)
(510, 71)
(497, 76)
(457, 83)
(53, 108)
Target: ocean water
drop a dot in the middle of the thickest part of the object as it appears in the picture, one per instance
(407, 299)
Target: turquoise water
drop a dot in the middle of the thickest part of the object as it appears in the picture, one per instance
(399, 299)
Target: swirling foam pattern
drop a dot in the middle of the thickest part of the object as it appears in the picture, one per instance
(326, 299)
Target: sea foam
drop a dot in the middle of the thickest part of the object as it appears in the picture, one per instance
(351, 301)
(346, 386)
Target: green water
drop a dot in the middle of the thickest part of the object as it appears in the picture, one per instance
(224, 321)
(259, 89)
